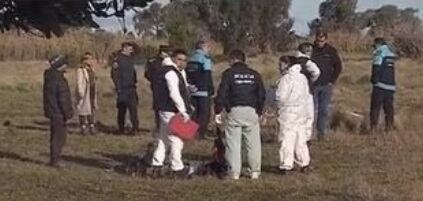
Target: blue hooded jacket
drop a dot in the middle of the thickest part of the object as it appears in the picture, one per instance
(383, 70)
(202, 77)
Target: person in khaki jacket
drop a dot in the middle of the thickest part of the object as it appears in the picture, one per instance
(86, 93)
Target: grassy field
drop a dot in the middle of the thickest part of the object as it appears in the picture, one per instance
(348, 167)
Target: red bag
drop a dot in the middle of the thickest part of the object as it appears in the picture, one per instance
(184, 130)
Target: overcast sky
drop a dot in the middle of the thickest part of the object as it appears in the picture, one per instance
(301, 10)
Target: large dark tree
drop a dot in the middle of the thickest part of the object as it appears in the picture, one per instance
(50, 16)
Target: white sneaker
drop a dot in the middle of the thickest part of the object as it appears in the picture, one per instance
(255, 175)
(232, 176)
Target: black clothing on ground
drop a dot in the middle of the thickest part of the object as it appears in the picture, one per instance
(240, 86)
(329, 63)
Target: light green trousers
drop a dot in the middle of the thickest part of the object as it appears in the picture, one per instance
(243, 127)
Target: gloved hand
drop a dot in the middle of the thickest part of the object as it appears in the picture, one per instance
(185, 116)
(192, 89)
(218, 119)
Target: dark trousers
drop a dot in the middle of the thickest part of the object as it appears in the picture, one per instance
(201, 114)
(322, 102)
(382, 99)
(57, 138)
(157, 119)
(123, 107)
(86, 119)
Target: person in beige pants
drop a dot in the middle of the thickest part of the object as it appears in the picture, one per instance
(241, 93)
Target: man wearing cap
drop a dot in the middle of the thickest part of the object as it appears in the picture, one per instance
(199, 73)
(57, 105)
(153, 69)
(383, 80)
(124, 77)
(327, 59)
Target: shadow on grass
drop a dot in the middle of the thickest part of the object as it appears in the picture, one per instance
(88, 162)
(17, 157)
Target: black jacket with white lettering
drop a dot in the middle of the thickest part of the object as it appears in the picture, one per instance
(240, 86)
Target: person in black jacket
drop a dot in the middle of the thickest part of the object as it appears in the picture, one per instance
(124, 77)
(57, 106)
(327, 59)
(242, 95)
(152, 73)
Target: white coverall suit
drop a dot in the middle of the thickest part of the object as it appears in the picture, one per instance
(292, 100)
(314, 72)
(164, 138)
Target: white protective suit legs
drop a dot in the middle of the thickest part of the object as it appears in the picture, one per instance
(310, 117)
(293, 98)
(165, 139)
(293, 138)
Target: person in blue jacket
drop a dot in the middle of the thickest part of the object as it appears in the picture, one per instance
(199, 75)
(383, 80)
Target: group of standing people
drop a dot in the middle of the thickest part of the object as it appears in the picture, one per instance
(183, 85)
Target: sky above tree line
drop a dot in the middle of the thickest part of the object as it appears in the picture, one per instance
(302, 11)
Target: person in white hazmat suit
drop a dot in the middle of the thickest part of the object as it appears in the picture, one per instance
(312, 73)
(292, 97)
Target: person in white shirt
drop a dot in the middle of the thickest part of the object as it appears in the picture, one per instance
(174, 99)
(292, 100)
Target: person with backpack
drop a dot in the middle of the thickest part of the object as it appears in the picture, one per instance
(327, 59)
(152, 73)
(292, 99)
(242, 95)
(174, 99)
(199, 75)
(312, 73)
(57, 106)
(383, 80)
(124, 76)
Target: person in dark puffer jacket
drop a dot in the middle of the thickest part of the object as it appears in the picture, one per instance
(327, 59)
(383, 80)
(124, 76)
(57, 106)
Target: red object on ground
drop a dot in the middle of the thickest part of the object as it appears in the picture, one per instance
(184, 130)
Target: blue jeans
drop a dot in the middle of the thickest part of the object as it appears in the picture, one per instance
(322, 101)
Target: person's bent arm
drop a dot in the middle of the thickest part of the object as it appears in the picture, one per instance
(337, 66)
(313, 69)
(261, 95)
(172, 81)
(222, 93)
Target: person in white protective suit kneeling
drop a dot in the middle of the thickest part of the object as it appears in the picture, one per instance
(312, 73)
(292, 100)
